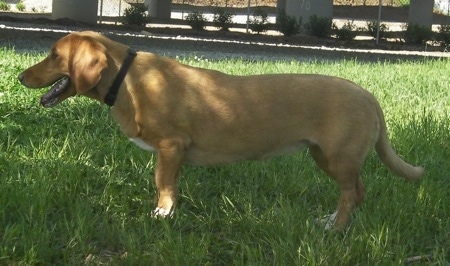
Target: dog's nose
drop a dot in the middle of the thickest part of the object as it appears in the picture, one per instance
(21, 77)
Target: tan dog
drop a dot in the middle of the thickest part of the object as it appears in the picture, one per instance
(204, 117)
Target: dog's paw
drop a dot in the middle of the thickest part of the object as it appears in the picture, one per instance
(162, 213)
(327, 221)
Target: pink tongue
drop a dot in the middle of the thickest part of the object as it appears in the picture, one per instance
(57, 89)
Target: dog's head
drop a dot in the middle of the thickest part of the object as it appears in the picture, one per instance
(73, 66)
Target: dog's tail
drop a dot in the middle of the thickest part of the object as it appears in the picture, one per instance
(390, 158)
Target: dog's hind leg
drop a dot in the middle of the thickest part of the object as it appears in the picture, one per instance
(348, 199)
(346, 172)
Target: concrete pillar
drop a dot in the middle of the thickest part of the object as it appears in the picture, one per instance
(79, 10)
(303, 9)
(159, 8)
(281, 5)
(421, 12)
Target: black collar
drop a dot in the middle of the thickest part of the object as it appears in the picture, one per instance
(110, 97)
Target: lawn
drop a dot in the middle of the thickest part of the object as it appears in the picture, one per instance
(73, 190)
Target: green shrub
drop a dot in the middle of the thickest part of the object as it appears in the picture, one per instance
(222, 19)
(372, 28)
(287, 25)
(196, 20)
(417, 34)
(401, 3)
(346, 33)
(443, 35)
(4, 6)
(259, 23)
(319, 26)
(20, 6)
(136, 15)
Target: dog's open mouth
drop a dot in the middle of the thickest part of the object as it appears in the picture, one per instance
(52, 97)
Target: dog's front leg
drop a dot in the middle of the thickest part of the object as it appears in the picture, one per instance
(168, 163)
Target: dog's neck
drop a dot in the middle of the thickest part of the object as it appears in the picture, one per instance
(110, 97)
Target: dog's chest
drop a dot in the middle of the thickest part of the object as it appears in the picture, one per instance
(142, 144)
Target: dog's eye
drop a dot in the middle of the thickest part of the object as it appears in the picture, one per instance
(54, 55)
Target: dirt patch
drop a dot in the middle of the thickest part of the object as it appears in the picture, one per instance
(158, 28)
(240, 3)
(174, 41)
(220, 46)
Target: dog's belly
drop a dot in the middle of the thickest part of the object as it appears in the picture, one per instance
(213, 156)
(222, 155)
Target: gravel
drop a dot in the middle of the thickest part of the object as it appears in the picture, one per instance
(27, 37)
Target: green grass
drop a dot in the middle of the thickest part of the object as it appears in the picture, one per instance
(73, 190)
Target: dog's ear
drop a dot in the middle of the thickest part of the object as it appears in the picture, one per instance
(88, 60)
